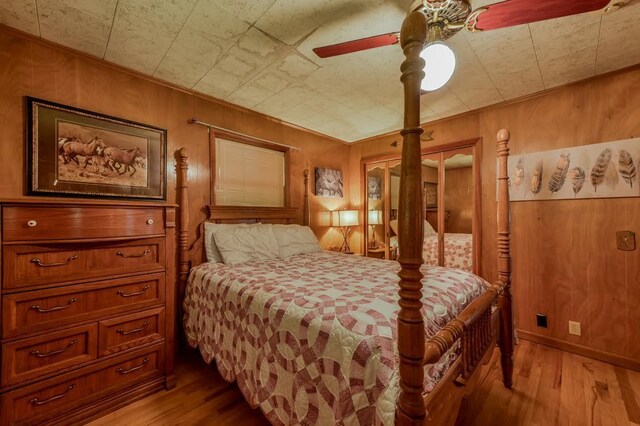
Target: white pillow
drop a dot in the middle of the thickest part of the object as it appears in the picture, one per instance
(428, 229)
(295, 239)
(245, 243)
(210, 248)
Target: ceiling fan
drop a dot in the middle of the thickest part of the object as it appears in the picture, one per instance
(446, 17)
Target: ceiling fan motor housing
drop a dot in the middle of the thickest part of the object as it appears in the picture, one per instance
(450, 15)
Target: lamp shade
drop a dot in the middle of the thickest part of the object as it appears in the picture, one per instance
(375, 217)
(440, 62)
(344, 218)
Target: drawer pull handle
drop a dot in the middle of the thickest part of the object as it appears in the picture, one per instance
(128, 256)
(138, 293)
(149, 221)
(135, 330)
(32, 223)
(132, 369)
(36, 401)
(47, 265)
(39, 310)
(52, 353)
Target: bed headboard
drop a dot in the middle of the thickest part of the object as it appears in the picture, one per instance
(190, 255)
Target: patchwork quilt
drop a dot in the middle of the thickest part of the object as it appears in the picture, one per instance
(310, 339)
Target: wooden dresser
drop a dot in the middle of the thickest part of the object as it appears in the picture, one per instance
(88, 307)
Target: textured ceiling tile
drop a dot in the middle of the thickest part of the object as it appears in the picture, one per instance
(519, 83)
(219, 83)
(144, 30)
(284, 72)
(291, 20)
(492, 47)
(576, 65)
(82, 26)
(559, 37)
(247, 10)
(443, 101)
(253, 53)
(291, 97)
(20, 14)
(607, 63)
(215, 23)
(619, 39)
(209, 32)
(190, 57)
(250, 95)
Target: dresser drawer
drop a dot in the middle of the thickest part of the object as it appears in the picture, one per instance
(120, 333)
(31, 223)
(32, 265)
(34, 404)
(44, 309)
(30, 358)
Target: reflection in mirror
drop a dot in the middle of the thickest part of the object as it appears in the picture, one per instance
(375, 206)
(430, 178)
(458, 199)
(394, 195)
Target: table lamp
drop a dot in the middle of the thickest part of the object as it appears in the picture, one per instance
(374, 218)
(344, 219)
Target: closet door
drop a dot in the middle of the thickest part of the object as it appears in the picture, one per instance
(394, 201)
(431, 194)
(459, 216)
(376, 205)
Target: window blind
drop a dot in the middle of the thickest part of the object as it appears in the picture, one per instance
(248, 175)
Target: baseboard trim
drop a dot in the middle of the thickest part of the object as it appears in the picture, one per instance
(621, 361)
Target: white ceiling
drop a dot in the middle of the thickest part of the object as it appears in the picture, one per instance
(257, 54)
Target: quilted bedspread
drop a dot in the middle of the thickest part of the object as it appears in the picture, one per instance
(458, 251)
(310, 338)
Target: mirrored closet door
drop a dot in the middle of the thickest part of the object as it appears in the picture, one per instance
(451, 204)
(376, 215)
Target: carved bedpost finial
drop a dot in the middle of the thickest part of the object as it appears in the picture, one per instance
(411, 333)
(504, 260)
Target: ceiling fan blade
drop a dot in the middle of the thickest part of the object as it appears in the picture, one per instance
(510, 13)
(357, 45)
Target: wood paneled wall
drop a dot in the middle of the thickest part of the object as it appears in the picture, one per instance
(565, 261)
(458, 200)
(36, 68)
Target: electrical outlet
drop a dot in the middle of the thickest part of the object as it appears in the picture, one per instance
(541, 320)
(574, 328)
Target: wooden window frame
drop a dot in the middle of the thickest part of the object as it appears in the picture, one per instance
(247, 140)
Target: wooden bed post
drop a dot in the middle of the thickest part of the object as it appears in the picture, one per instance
(411, 335)
(504, 261)
(306, 220)
(183, 228)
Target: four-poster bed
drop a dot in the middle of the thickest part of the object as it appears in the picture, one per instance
(465, 339)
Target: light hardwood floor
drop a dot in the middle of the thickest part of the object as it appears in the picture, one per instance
(551, 387)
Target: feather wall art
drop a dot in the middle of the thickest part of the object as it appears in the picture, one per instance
(605, 170)
(577, 179)
(560, 174)
(599, 170)
(518, 174)
(627, 167)
(536, 178)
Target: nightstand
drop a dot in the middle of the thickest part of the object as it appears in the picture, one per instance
(378, 253)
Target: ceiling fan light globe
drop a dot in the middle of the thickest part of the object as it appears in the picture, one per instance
(440, 62)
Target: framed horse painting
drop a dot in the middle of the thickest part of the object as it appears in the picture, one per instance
(74, 152)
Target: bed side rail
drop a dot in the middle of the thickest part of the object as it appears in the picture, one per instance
(473, 327)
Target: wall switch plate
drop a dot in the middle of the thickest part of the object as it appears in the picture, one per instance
(574, 328)
(541, 320)
(626, 240)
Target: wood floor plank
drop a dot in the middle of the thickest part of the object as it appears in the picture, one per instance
(551, 387)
